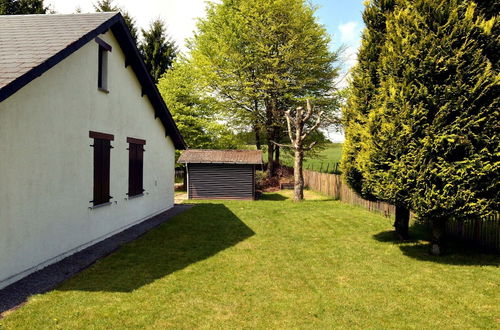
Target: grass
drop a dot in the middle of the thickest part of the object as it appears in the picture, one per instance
(330, 155)
(273, 264)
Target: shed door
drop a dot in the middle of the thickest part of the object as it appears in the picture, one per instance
(221, 181)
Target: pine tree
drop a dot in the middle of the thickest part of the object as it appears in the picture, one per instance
(109, 6)
(157, 49)
(22, 7)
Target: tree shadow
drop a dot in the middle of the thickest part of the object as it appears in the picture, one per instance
(273, 197)
(193, 236)
(456, 252)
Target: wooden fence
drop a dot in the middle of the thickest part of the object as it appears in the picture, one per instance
(484, 232)
(332, 185)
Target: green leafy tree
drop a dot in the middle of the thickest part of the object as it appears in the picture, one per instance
(157, 49)
(22, 7)
(109, 6)
(193, 109)
(263, 57)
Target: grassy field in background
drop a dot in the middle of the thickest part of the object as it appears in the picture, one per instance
(273, 263)
(330, 155)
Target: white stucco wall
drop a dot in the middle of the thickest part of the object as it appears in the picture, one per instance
(46, 162)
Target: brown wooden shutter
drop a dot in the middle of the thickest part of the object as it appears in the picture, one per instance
(102, 161)
(136, 166)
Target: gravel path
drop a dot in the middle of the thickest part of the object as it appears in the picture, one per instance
(49, 277)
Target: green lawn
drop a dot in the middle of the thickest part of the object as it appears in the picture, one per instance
(273, 264)
(324, 160)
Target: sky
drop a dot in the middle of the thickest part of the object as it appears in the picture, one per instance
(342, 19)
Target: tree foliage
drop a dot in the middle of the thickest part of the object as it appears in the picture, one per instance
(361, 101)
(194, 112)
(157, 49)
(430, 139)
(262, 57)
(22, 7)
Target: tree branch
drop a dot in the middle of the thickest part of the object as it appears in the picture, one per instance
(282, 145)
(309, 113)
(314, 127)
(310, 146)
(289, 125)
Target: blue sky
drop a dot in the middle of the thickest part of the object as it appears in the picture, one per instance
(343, 20)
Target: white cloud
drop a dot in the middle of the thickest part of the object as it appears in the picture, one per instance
(350, 37)
(349, 31)
(180, 15)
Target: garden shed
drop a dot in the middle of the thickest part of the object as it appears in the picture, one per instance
(221, 174)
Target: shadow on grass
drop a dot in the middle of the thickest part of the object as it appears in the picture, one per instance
(273, 197)
(456, 253)
(190, 237)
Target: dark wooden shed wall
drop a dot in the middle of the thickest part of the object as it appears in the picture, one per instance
(221, 181)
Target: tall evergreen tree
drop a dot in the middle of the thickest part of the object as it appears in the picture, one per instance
(431, 139)
(262, 57)
(364, 83)
(22, 7)
(450, 84)
(157, 49)
(109, 6)
(369, 146)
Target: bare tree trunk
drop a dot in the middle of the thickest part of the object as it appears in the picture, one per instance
(298, 176)
(256, 131)
(277, 156)
(438, 236)
(270, 159)
(271, 132)
(298, 132)
(402, 221)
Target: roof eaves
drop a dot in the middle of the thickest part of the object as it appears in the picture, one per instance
(122, 33)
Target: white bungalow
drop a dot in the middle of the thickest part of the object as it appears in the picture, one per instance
(87, 145)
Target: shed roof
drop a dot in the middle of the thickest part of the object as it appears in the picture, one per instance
(199, 156)
(32, 44)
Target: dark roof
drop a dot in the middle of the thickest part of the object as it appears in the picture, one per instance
(199, 156)
(32, 44)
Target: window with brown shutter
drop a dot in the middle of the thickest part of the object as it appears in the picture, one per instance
(136, 166)
(102, 159)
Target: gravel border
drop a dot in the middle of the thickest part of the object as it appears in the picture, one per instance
(46, 279)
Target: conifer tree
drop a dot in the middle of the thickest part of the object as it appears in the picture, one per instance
(157, 49)
(363, 90)
(447, 92)
(22, 7)
(431, 140)
(366, 145)
(108, 6)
